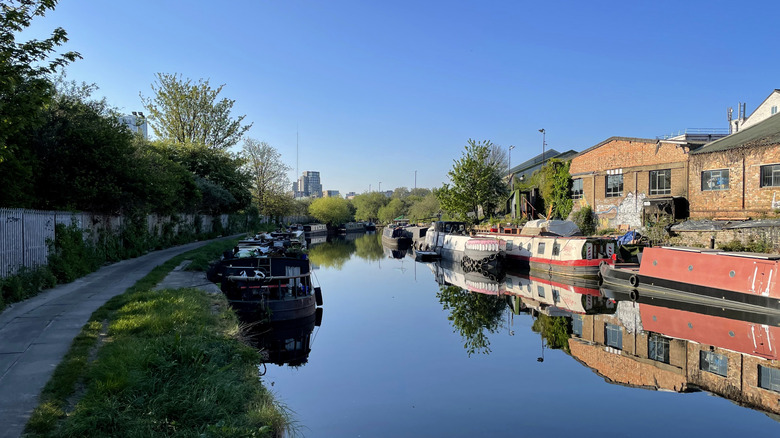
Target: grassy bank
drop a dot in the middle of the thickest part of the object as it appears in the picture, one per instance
(159, 363)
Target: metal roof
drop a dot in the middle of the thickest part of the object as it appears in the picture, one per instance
(763, 133)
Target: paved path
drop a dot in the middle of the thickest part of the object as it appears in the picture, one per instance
(35, 334)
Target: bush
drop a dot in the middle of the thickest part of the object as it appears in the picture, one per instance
(70, 256)
(586, 220)
(761, 245)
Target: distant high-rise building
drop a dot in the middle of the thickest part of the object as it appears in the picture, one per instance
(308, 185)
(136, 122)
(330, 194)
(351, 195)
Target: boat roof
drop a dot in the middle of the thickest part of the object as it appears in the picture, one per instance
(751, 255)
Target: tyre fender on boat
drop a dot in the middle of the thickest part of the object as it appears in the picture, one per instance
(634, 295)
(633, 280)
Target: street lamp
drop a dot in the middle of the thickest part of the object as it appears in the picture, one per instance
(510, 159)
(543, 143)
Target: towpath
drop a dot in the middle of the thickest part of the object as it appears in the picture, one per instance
(35, 334)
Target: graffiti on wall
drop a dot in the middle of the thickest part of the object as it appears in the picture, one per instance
(775, 202)
(628, 212)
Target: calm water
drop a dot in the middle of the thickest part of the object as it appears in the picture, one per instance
(399, 355)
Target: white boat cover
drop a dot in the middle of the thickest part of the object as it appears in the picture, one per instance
(561, 228)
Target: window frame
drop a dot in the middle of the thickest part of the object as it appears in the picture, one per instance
(658, 348)
(654, 179)
(615, 341)
(774, 177)
(577, 192)
(773, 379)
(616, 192)
(713, 361)
(715, 188)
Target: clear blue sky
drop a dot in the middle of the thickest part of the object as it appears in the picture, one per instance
(377, 90)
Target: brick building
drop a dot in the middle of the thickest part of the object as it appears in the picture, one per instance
(738, 177)
(620, 175)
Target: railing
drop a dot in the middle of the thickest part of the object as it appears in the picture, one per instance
(696, 132)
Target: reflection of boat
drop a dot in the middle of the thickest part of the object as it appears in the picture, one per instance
(449, 272)
(395, 253)
(352, 227)
(395, 236)
(555, 296)
(370, 226)
(312, 229)
(745, 278)
(450, 240)
(283, 342)
(556, 247)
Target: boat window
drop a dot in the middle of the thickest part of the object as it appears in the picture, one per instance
(528, 247)
(556, 249)
(540, 248)
(540, 291)
(769, 378)
(712, 362)
(509, 245)
(658, 348)
(613, 336)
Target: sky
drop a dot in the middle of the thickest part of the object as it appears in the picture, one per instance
(387, 94)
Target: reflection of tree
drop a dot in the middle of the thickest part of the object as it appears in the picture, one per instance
(332, 254)
(554, 329)
(471, 314)
(369, 247)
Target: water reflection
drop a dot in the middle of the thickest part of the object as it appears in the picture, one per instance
(369, 246)
(283, 342)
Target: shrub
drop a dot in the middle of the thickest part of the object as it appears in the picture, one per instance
(586, 220)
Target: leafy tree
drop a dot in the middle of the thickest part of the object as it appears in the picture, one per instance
(24, 88)
(427, 208)
(586, 221)
(477, 181)
(555, 187)
(555, 330)
(400, 193)
(332, 254)
(392, 210)
(269, 177)
(331, 211)
(369, 247)
(189, 113)
(367, 205)
(472, 314)
(221, 170)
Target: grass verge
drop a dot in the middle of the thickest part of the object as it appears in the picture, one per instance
(159, 363)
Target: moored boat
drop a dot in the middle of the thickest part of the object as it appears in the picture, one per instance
(450, 240)
(314, 228)
(746, 278)
(396, 237)
(352, 227)
(556, 247)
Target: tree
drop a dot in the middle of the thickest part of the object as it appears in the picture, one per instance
(367, 205)
(187, 112)
(427, 208)
(269, 177)
(392, 210)
(472, 314)
(331, 211)
(24, 88)
(477, 181)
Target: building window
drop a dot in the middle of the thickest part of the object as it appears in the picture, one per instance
(658, 348)
(774, 109)
(715, 180)
(576, 189)
(614, 186)
(613, 336)
(769, 378)
(713, 363)
(661, 182)
(770, 175)
(576, 325)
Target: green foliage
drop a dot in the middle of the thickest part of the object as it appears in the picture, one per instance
(24, 66)
(331, 211)
(555, 187)
(189, 113)
(657, 230)
(24, 284)
(70, 256)
(369, 247)
(425, 209)
(395, 208)
(477, 181)
(586, 221)
(760, 245)
(367, 205)
(472, 315)
(269, 177)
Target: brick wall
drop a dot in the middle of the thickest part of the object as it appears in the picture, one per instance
(635, 158)
(745, 198)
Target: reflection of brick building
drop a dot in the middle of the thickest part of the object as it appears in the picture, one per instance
(652, 354)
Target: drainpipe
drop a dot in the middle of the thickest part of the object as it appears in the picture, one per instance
(743, 182)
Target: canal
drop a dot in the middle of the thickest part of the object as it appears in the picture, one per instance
(399, 354)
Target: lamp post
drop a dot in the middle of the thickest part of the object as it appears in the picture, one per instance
(510, 160)
(543, 143)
